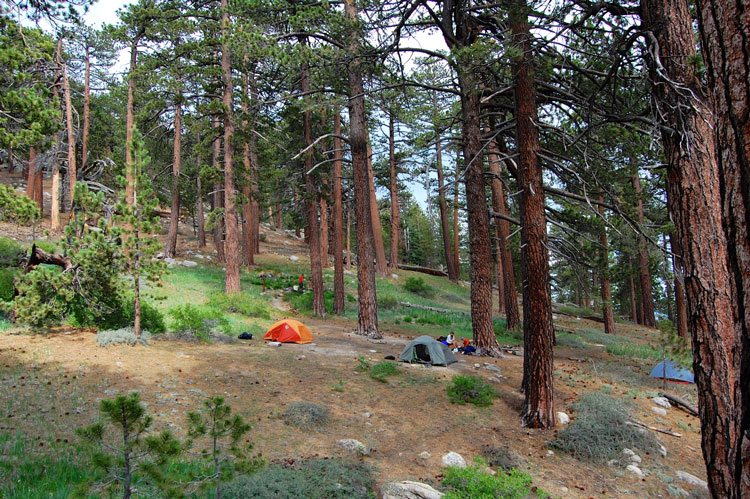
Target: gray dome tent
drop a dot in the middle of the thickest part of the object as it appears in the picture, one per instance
(427, 350)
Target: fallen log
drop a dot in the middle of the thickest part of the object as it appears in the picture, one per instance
(38, 255)
(594, 318)
(424, 270)
(432, 309)
(680, 402)
(641, 424)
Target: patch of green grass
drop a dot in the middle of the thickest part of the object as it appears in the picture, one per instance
(338, 386)
(417, 286)
(566, 339)
(571, 309)
(631, 350)
(382, 370)
(363, 364)
(600, 431)
(599, 337)
(244, 303)
(471, 389)
(302, 302)
(473, 481)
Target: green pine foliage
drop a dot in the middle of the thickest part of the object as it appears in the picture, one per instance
(17, 208)
(225, 455)
(132, 456)
(198, 321)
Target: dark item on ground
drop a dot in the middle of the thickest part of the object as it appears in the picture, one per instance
(246, 336)
(389, 357)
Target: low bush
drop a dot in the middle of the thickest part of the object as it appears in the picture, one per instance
(306, 415)
(601, 430)
(363, 364)
(382, 370)
(474, 481)
(646, 352)
(242, 303)
(7, 285)
(121, 314)
(417, 286)
(387, 302)
(501, 457)
(566, 339)
(10, 252)
(313, 479)
(302, 302)
(123, 336)
(471, 389)
(198, 321)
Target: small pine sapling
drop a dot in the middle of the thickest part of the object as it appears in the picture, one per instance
(225, 455)
(17, 208)
(139, 224)
(132, 458)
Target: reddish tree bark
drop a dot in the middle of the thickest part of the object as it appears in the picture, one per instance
(217, 199)
(395, 216)
(512, 315)
(338, 220)
(55, 194)
(644, 273)
(681, 318)
(367, 323)
(707, 156)
(72, 172)
(633, 304)
(607, 313)
(538, 409)
(33, 181)
(450, 264)
(456, 255)
(174, 216)
(349, 237)
(232, 243)
(381, 264)
(199, 211)
(250, 229)
(312, 231)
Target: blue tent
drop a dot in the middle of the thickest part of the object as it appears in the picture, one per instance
(673, 372)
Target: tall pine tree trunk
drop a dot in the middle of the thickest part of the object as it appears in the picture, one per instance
(174, 216)
(55, 194)
(681, 318)
(32, 180)
(644, 273)
(538, 408)
(349, 237)
(199, 211)
(232, 243)
(217, 199)
(443, 208)
(338, 220)
(723, 26)
(705, 200)
(456, 184)
(248, 215)
(367, 324)
(512, 315)
(381, 265)
(312, 231)
(72, 173)
(395, 217)
(86, 107)
(607, 312)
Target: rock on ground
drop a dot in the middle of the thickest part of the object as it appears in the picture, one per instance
(492, 367)
(659, 411)
(634, 470)
(189, 263)
(662, 450)
(454, 459)
(662, 402)
(355, 446)
(425, 455)
(562, 418)
(691, 479)
(294, 258)
(409, 490)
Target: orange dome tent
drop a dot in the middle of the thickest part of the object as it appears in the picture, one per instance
(289, 331)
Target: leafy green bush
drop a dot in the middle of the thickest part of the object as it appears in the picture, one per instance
(17, 208)
(124, 336)
(386, 301)
(313, 479)
(407, 319)
(635, 350)
(306, 415)
(382, 370)
(473, 481)
(302, 302)
(10, 252)
(7, 285)
(417, 286)
(199, 322)
(472, 389)
(242, 303)
(121, 315)
(600, 431)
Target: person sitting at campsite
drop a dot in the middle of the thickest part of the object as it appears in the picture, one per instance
(451, 340)
(467, 347)
(441, 339)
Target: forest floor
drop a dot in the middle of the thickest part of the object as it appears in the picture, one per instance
(52, 382)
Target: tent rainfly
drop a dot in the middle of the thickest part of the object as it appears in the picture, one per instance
(427, 350)
(672, 372)
(289, 331)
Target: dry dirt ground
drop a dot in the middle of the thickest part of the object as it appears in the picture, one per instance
(52, 383)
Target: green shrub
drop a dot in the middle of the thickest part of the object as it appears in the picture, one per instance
(313, 479)
(10, 252)
(120, 314)
(302, 302)
(17, 208)
(242, 303)
(387, 302)
(635, 350)
(198, 321)
(407, 319)
(566, 339)
(7, 286)
(124, 336)
(472, 389)
(473, 481)
(363, 364)
(417, 286)
(600, 431)
(306, 415)
(382, 370)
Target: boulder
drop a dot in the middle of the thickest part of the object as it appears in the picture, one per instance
(691, 479)
(662, 450)
(492, 367)
(660, 411)
(273, 344)
(454, 459)
(662, 402)
(355, 446)
(562, 418)
(294, 258)
(189, 263)
(409, 490)
(634, 470)
(170, 261)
